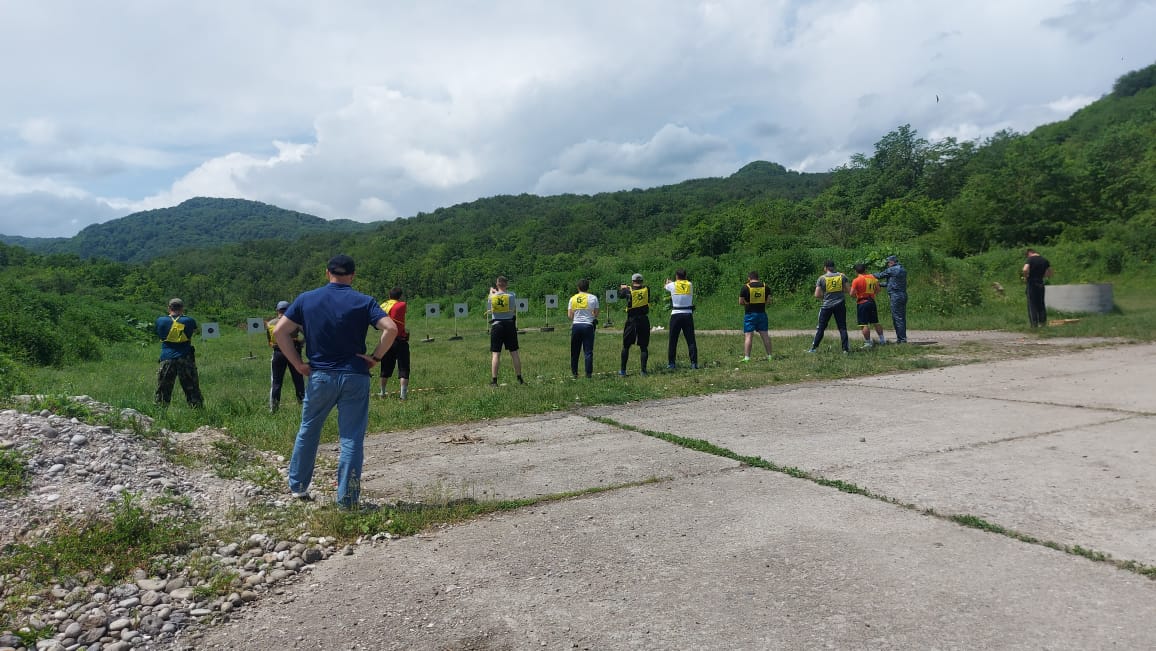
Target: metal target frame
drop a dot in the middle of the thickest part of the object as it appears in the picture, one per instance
(551, 300)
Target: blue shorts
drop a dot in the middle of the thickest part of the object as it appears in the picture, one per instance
(755, 322)
(868, 313)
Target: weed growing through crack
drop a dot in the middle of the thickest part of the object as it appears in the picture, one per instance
(965, 520)
(409, 518)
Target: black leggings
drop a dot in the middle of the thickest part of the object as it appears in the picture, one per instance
(840, 313)
(683, 323)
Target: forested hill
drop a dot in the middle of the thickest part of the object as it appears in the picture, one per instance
(208, 223)
(199, 223)
(1088, 179)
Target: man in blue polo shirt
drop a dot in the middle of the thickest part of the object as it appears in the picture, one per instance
(335, 319)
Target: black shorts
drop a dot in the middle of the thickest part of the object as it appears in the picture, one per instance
(503, 333)
(637, 329)
(398, 354)
(868, 313)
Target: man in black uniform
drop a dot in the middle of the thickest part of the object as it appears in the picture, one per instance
(1036, 269)
(279, 363)
(637, 328)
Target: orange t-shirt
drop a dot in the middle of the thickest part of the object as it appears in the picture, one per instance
(864, 288)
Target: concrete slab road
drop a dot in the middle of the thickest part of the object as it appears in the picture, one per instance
(726, 556)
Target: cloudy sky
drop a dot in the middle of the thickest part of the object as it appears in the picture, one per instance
(374, 110)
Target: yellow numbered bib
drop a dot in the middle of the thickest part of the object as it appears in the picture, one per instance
(177, 333)
(499, 303)
(682, 287)
(834, 284)
(639, 297)
(872, 285)
(579, 302)
(758, 295)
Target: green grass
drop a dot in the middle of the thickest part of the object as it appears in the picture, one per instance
(450, 379)
(105, 550)
(13, 473)
(406, 519)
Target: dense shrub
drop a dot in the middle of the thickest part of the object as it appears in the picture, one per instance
(12, 377)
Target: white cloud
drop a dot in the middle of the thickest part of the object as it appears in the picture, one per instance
(45, 214)
(382, 110)
(1068, 105)
(223, 176)
(39, 131)
(374, 209)
(673, 153)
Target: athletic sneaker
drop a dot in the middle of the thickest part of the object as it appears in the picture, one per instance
(811, 350)
(304, 497)
(745, 360)
(621, 373)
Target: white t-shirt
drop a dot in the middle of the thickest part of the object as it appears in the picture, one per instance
(583, 304)
(681, 296)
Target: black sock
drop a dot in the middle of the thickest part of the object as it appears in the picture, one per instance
(520, 380)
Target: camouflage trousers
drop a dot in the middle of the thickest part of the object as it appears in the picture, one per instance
(185, 370)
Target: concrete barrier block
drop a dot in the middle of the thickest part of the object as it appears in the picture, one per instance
(1089, 298)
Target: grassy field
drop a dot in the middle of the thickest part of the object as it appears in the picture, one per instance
(450, 378)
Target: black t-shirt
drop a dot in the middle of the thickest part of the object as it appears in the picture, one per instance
(745, 294)
(643, 307)
(1037, 268)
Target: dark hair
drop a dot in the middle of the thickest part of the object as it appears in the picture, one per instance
(501, 280)
(583, 285)
(395, 293)
(680, 274)
(754, 275)
(860, 268)
(341, 265)
(830, 264)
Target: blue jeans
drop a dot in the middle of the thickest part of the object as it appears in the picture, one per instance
(582, 339)
(349, 392)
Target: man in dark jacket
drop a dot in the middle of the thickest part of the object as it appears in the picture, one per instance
(894, 278)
